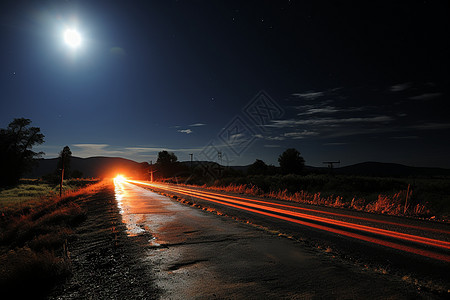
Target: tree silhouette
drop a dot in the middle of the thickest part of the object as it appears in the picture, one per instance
(291, 162)
(16, 156)
(167, 163)
(257, 168)
(64, 161)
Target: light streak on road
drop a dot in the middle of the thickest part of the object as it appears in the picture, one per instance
(301, 208)
(293, 215)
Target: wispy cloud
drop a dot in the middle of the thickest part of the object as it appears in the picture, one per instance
(335, 144)
(426, 96)
(311, 110)
(300, 135)
(328, 121)
(158, 149)
(89, 150)
(145, 149)
(400, 87)
(313, 95)
(187, 131)
(237, 139)
(342, 113)
(431, 126)
(408, 137)
(270, 138)
(309, 95)
(318, 110)
(197, 125)
(293, 135)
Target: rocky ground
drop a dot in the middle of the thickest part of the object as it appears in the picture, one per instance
(106, 263)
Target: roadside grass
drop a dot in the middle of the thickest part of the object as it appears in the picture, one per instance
(31, 192)
(417, 197)
(25, 191)
(33, 240)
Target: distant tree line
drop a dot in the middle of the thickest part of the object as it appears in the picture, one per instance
(291, 162)
(168, 167)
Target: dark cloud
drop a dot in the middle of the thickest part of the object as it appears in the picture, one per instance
(309, 95)
(426, 96)
(400, 87)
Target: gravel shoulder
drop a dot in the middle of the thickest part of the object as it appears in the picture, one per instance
(106, 263)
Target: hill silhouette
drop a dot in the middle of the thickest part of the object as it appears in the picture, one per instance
(390, 170)
(111, 166)
(90, 167)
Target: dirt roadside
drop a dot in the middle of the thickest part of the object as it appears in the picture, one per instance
(106, 263)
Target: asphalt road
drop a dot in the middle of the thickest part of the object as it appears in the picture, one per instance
(196, 254)
(428, 239)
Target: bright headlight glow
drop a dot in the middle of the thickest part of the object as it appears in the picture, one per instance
(119, 178)
(72, 38)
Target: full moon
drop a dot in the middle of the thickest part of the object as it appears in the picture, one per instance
(72, 38)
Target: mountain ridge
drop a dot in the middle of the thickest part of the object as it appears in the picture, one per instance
(97, 166)
(102, 166)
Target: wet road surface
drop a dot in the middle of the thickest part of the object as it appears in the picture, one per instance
(426, 239)
(199, 255)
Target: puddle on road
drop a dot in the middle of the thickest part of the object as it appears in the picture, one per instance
(131, 220)
(143, 211)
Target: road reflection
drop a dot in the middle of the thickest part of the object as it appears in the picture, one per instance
(130, 219)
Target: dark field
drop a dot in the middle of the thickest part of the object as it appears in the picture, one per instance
(419, 197)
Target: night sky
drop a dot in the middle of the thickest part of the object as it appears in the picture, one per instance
(350, 81)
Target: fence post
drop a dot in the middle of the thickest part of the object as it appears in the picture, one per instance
(406, 201)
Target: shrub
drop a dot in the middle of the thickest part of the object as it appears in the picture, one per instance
(26, 273)
(371, 194)
(33, 252)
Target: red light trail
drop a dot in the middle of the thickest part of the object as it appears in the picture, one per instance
(294, 215)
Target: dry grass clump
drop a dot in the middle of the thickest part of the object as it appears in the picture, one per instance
(249, 189)
(424, 196)
(22, 198)
(29, 273)
(398, 204)
(33, 243)
(50, 220)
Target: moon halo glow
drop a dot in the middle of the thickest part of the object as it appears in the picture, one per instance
(72, 38)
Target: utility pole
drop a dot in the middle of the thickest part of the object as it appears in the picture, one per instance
(151, 171)
(219, 156)
(331, 163)
(62, 177)
(191, 154)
